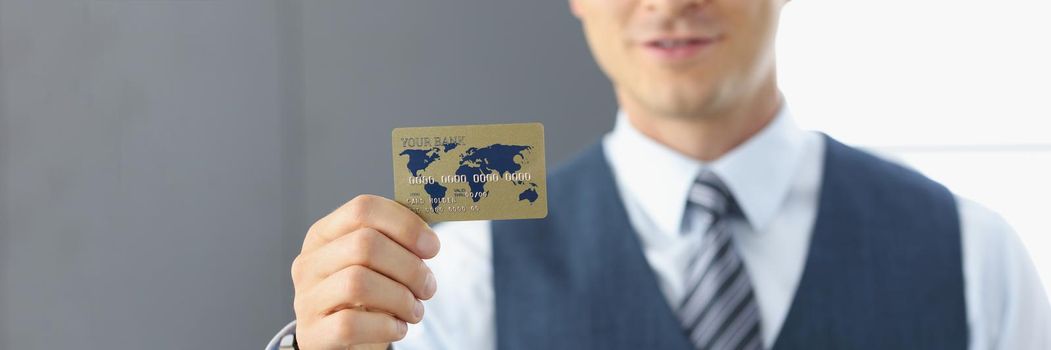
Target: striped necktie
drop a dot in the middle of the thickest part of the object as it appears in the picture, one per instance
(718, 310)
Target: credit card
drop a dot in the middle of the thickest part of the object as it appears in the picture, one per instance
(471, 172)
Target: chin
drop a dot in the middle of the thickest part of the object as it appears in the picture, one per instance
(681, 101)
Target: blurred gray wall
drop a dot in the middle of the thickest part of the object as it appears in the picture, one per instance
(161, 160)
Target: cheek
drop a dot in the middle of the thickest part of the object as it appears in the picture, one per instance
(606, 37)
(754, 25)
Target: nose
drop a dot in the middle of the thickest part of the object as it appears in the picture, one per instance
(671, 8)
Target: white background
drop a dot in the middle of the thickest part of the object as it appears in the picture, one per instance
(957, 89)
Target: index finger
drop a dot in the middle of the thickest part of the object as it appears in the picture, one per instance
(381, 214)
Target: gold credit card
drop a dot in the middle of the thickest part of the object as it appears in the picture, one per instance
(471, 172)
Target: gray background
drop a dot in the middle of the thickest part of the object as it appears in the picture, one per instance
(161, 160)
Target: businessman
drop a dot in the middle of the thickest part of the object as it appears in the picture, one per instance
(706, 219)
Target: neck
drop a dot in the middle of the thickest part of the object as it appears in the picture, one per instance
(708, 136)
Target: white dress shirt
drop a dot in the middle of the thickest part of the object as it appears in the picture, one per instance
(775, 177)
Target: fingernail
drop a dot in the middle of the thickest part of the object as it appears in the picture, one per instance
(427, 243)
(430, 285)
(417, 310)
(402, 327)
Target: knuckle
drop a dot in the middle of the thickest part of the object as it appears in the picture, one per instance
(361, 199)
(365, 243)
(315, 227)
(358, 209)
(355, 283)
(346, 325)
(305, 309)
(298, 268)
(340, 223)
(299, 307)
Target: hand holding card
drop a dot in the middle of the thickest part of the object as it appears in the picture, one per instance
(361, 273)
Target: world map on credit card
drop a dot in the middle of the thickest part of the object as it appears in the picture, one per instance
(471, 172)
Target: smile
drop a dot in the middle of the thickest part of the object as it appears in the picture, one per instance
(678, 49)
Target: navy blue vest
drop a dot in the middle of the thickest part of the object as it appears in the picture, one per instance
(883, 271)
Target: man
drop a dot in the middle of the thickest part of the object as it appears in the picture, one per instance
(705, 220)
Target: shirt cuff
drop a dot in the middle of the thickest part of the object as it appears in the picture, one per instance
(288, 330)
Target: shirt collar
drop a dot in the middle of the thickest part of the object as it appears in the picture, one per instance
(758, 172)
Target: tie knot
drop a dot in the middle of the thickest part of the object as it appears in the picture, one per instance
(709, 193)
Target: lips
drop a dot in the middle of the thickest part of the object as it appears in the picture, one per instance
(678, 48)
(668, 44)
